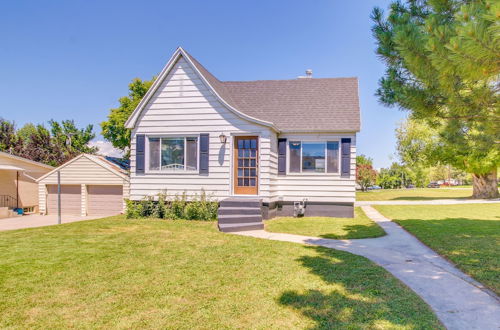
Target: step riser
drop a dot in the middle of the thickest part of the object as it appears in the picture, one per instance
(241, 228)
(239, 211)
(242, 203)
(240, 220)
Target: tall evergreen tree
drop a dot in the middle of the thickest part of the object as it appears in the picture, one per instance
(443, 65)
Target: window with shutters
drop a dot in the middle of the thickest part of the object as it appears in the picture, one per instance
(313, 157)
(173, 154)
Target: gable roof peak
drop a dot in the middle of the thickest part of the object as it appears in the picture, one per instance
(313, 104)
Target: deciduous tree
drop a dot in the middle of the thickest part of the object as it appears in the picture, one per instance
(114, 129)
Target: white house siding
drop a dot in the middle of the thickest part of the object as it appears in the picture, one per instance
(317, 187)
(84, 172)
(183, 104)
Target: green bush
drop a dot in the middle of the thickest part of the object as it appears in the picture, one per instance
(178, 207)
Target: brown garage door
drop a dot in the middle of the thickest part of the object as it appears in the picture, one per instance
(70, 199)
(105, 200)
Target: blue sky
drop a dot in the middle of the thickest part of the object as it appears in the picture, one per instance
(74, 59)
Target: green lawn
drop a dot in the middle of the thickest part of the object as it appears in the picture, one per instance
(337, 228)
(413, 194)
(116, 273)
(466, 234)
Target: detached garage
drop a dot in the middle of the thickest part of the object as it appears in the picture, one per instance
(90, 185)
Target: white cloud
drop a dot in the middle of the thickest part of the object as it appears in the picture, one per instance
(106, 148)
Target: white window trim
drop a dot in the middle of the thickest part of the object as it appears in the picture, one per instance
(170, 136)
(325, 142)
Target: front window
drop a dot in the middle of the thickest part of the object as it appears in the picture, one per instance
(171, 154)
(313, 157)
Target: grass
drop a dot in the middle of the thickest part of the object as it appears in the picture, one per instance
(116, 273)
(413, 194)
(337, 228)
(466, 234)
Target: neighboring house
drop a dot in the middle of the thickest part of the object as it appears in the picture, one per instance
(90, 185)
(277, 141)
(18, 188)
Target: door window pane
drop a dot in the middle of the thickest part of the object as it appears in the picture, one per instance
(154, 154)
(172, 154)
(332, 156)
(313, 157)
(191, 154)
(294, 157)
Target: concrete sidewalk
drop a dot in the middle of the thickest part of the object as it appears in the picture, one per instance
(429, 202)
(459, 301)
(31, 221)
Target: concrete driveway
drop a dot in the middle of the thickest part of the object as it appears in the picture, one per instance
(31, 221)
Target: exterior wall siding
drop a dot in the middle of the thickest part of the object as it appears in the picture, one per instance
(184, 105)
(28, 196)
(316, 187)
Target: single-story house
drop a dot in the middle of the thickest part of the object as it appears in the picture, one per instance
(90, 185)
(18, 187)
(276, 142)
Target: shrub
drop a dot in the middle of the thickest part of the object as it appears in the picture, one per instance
(200, 207)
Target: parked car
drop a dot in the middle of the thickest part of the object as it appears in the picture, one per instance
(375, 187)
(410, 186)
(433, 185)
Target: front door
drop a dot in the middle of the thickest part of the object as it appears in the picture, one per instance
(246, 165)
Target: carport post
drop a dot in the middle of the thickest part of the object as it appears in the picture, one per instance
(58, 197)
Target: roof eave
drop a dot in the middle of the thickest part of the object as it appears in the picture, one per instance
(29, 161)
(357, 130)
(132, 120)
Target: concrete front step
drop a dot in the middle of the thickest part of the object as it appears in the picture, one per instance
(240, 218)
(240, 202)
(239, 214)
(233, 227)
(240, 211)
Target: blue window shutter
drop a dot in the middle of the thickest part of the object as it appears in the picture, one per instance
(140, 150)
(204, 149)
(346, 158)
(281, 156)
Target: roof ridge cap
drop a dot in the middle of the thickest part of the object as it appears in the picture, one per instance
(292, 79)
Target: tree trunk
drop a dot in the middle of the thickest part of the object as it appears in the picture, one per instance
(485, 185)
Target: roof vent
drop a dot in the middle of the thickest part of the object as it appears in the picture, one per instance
(309, 74)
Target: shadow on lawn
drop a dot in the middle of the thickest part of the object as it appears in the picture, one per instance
(362, 295)
(357, 231)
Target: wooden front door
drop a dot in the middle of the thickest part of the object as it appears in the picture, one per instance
(246, 165)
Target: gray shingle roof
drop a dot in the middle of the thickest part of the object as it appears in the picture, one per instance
(304, 104)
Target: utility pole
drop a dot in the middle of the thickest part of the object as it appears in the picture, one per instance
(58, 197)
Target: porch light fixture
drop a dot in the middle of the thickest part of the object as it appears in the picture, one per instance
(223, 138)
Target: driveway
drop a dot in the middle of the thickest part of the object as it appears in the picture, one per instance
(459, 301)
(31, 221)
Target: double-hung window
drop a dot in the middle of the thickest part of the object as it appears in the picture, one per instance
(172, 154)
(313, 157)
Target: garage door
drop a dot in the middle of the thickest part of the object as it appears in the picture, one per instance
(70, 199)
(105, 200)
